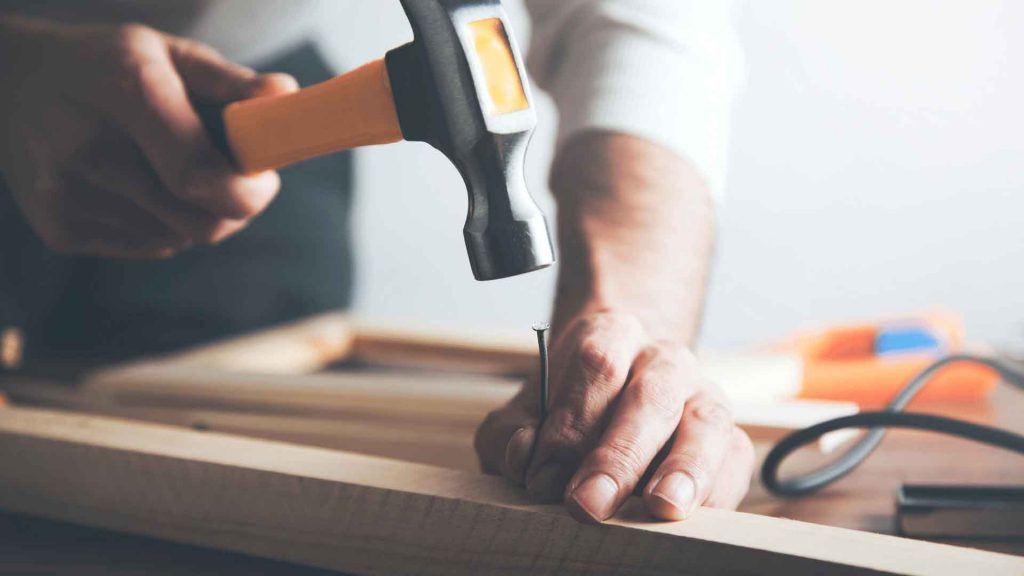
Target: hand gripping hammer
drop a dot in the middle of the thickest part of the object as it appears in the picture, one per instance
(459, 86)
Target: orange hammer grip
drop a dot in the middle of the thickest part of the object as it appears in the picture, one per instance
(355, 109)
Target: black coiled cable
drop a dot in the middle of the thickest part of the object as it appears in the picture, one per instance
(891, 417)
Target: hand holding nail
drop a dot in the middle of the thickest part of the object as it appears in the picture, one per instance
(618, 402)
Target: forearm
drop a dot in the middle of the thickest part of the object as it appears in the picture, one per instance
(636, 230)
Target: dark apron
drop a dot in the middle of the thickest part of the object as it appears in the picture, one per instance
(292, 261)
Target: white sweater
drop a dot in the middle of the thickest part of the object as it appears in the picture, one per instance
(666, 70)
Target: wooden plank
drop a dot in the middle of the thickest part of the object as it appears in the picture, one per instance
(436, 440)
(299, 347)
(311, 344)
(445, 350)
(390, 427)
(386, 395)
(366, 515)
(439, 443)
(314, 343)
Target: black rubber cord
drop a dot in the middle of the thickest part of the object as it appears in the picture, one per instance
(891, 417)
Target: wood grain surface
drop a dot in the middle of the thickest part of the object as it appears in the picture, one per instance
(367, 515)
(864, 501)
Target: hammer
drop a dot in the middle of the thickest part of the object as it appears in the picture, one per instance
(459, 86)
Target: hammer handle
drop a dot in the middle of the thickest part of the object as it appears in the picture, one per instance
(352, 110)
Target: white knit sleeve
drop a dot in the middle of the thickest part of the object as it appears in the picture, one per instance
(665, 70)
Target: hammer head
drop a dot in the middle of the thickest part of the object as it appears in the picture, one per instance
(460, 86)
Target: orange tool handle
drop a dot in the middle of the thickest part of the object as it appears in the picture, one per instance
(873, 382)
(352, 110)
(840, 364)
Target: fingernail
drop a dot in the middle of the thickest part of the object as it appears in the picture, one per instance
(548, 483)
(596, 496)
(517, 453)
(677, 489)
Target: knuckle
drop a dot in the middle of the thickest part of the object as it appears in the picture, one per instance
(696, 467)
(597, 362)
(671, 358)
(134, 45)
(713, 413)
(622, 457)
(143, 73)
(658, 395)
(132, 36)
(568, 434)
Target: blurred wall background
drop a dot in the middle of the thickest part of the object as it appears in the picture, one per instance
(877, 166)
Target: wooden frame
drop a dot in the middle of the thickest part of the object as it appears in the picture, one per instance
(266, 385)
(363, 514)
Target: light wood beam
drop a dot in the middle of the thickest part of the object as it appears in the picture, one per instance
(365, 515)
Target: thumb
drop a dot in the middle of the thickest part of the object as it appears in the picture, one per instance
(504, 441)
(211, 78)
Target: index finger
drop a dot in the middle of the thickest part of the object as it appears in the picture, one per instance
(591, 363)
(645, 416)
(504, 440)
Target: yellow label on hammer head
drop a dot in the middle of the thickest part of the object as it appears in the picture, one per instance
(501, 74)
